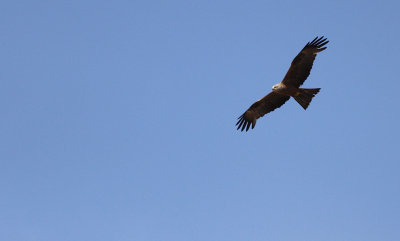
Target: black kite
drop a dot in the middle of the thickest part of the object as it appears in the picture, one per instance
(289, 87)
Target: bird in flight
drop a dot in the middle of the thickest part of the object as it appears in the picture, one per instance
(289, 87)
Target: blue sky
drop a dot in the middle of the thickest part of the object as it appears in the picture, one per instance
(118, 121)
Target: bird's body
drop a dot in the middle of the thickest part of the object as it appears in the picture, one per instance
(289, 87)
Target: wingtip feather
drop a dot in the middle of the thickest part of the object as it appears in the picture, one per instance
(317, 42)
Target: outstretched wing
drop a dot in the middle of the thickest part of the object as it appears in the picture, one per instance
(261, 107)
(301, 65)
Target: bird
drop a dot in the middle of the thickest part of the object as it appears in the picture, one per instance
(298, 72)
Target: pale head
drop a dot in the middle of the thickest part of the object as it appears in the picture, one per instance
(277, 87)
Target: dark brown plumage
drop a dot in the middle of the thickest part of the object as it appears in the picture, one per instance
(289, 87)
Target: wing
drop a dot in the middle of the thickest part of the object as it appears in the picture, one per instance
(301, 65)
(261, 107)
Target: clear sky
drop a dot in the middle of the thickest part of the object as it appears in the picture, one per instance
(118, 121)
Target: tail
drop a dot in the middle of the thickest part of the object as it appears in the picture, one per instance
(305, 96)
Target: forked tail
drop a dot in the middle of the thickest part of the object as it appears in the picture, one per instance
(305, 96)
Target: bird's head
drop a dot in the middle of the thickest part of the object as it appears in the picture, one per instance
(277, 87)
